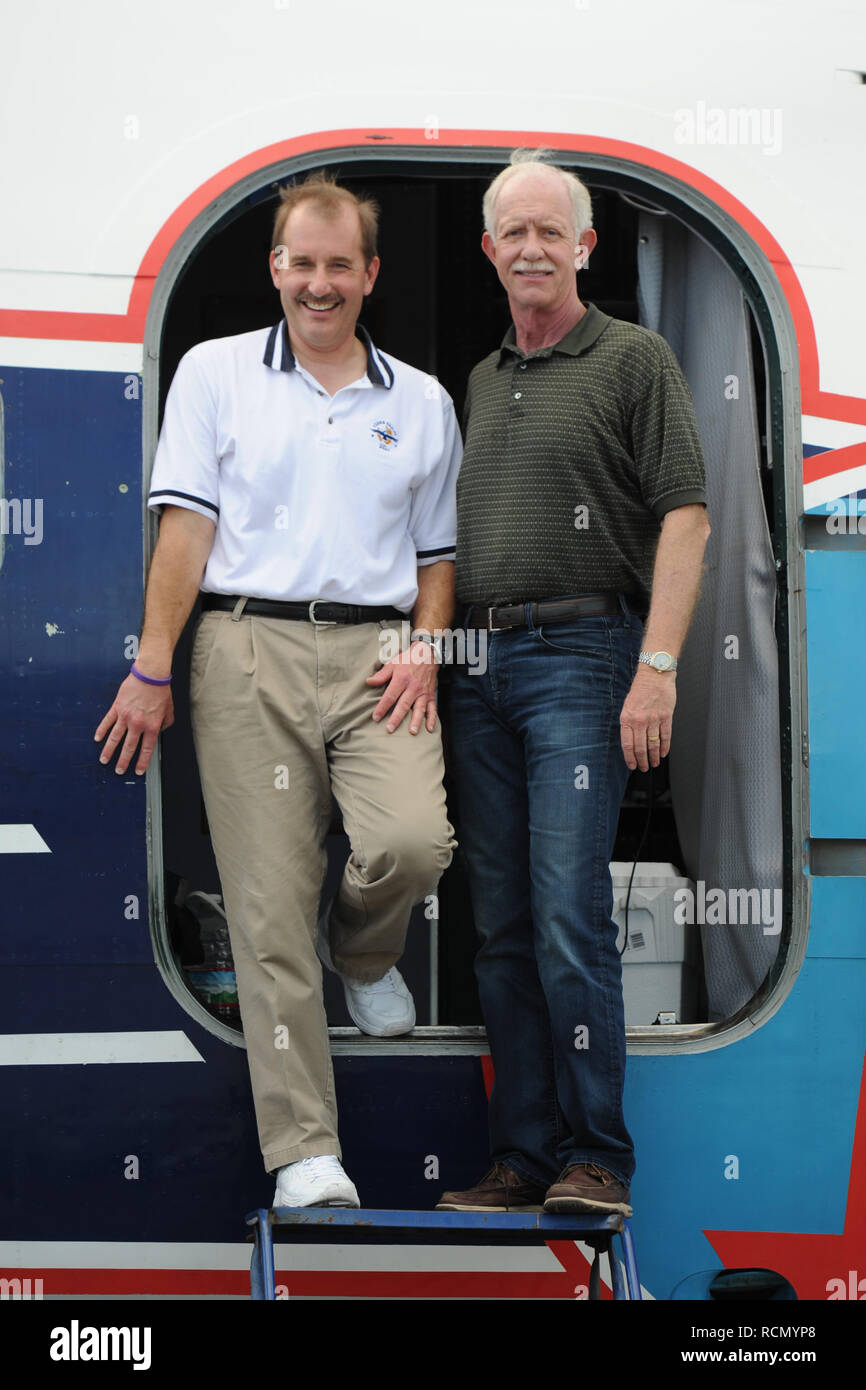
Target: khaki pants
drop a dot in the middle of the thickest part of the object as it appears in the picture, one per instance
(281, 716)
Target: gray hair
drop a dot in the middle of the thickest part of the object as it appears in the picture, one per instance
(581, 203)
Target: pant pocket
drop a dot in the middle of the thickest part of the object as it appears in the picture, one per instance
(206, 633)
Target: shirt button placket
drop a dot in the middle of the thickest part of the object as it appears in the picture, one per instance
(516, 394)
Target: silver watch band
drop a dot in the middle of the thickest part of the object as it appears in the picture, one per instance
(659, 661)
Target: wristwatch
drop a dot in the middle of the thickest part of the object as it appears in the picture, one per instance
(659, 661)
(434, 642)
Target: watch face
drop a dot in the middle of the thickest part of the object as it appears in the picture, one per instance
(662, 661)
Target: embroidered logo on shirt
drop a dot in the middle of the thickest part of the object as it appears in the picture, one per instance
(384, 434)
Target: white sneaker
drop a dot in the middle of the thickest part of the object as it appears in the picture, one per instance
(385, 1008)
(315, 1182)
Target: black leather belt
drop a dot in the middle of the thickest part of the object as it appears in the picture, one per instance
(319, 611)
(555, 610)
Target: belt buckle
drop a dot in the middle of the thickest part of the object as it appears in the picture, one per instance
(497, 627)
(320, 622)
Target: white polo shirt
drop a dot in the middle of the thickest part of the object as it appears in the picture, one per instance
(315, 496)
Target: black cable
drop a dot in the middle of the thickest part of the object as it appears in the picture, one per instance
(649, 811)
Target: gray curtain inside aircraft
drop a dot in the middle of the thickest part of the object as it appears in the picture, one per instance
(725, 755)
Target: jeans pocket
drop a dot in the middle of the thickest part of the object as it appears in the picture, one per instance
(585, 637)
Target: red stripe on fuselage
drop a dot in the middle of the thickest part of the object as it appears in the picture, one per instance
(129, 327)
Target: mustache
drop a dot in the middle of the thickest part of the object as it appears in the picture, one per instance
(536, 266)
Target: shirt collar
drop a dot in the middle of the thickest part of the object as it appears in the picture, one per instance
(278, 354)
(576, 341)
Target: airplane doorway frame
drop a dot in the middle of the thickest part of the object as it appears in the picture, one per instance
(717, 225)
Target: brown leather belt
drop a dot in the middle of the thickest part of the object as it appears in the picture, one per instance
(555, 610)
(320, 611)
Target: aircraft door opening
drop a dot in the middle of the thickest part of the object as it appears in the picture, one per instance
(438, 305)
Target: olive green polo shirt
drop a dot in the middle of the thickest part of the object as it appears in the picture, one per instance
(572, 456)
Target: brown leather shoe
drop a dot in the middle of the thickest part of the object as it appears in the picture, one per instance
(499, 1190)
(586, 1187)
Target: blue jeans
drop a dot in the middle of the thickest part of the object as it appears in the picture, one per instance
(539, 777)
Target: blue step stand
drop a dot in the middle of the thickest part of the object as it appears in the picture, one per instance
(434, 1227)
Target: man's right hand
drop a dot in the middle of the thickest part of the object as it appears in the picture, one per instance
(140, 712)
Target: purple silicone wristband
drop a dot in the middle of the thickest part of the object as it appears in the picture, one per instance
(150, 680)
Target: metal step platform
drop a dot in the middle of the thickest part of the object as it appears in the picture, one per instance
(440, 1227)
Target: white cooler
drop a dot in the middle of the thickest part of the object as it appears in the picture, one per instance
(660, 966)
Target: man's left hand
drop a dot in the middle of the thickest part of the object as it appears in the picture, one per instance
(646, 718)
(411, 685)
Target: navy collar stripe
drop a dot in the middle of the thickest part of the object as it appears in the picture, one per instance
(287, 357)
(268, 358)
(379, 369)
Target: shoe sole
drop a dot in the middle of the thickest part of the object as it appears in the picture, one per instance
(328, 1202)
(317, 1206)
(564, 1205)
(354, 1206)
(382, 1033)
(465, 1206)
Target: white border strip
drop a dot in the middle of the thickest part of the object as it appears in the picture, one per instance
(83, 1049)
(21, 839)
(70, 355)
(46, 1255)
(831, 434)
(85, 1254)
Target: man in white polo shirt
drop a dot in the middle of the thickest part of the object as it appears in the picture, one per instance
(306, 484)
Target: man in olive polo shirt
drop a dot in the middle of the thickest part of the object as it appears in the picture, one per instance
(581, 510)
